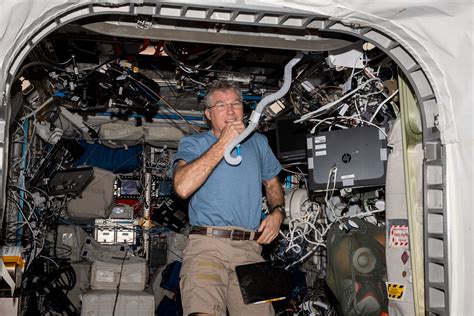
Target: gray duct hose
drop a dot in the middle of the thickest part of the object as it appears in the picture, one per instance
(255, 117)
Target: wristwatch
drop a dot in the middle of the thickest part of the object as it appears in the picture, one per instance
(280, 209)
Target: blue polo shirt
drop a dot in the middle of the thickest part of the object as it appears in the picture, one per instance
(232, 195)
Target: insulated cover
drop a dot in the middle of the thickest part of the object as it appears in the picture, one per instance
(97, 199)
(117, 160)
(356, 269)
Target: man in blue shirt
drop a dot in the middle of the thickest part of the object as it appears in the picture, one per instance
(225, 207)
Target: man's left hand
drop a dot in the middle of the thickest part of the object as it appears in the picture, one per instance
(270, 227)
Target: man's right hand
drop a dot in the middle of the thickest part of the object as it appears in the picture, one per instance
(231, 132)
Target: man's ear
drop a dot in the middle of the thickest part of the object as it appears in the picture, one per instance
(207, 114)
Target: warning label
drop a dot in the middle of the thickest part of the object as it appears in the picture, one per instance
(395, 291)
(399, 236)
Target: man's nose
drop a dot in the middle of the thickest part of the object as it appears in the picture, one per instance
(229, 108)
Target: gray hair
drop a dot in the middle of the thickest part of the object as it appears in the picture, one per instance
(221, 85)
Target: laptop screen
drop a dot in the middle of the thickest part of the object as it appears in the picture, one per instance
(291, 139)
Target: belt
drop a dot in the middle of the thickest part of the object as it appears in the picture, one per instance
(232, 234)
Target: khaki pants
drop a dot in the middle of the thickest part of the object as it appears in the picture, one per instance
(208, 280)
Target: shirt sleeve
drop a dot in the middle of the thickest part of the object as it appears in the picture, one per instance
(188, 150)
(270, 165)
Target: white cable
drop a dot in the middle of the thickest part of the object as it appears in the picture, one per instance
(305, 181)
(47, 102)
(41, 256)
(294, 172)
(197, 82)
(381, 104)
(372, 93)
(26, 220)
(356, 106)
(304, 226)
(364, 214)
(325, 122)
(306, 255)
(330, 105)
(350, 118)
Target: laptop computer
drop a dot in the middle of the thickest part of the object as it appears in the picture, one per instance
(263, 282)
(358, 154)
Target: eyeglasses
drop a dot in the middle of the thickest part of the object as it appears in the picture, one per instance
(221, 106)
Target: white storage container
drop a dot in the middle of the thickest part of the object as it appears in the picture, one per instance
(106, 275)
(83, 271)
(70, 239)
(101, 303)
(97, 199)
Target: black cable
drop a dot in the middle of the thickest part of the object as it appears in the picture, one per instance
(118, 284)
(126, 161)
(173, 55)
(167, 82)
(51, 61)
(32, 64)
(174, 253)
(150, 90)
(64, 278)
(95, 68)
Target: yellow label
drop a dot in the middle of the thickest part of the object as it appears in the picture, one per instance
(395, 291)
(14, 259)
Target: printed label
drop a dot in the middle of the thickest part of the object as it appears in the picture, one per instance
(13, 251)
(395, 291)
(405, 257)
(343, 110)
(347, 182)
(319, 139)
(132, 277)
(104, 276)
(399, 236)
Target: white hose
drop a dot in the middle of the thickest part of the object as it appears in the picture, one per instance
(255, 117)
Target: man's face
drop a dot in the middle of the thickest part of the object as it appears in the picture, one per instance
(219, 118)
